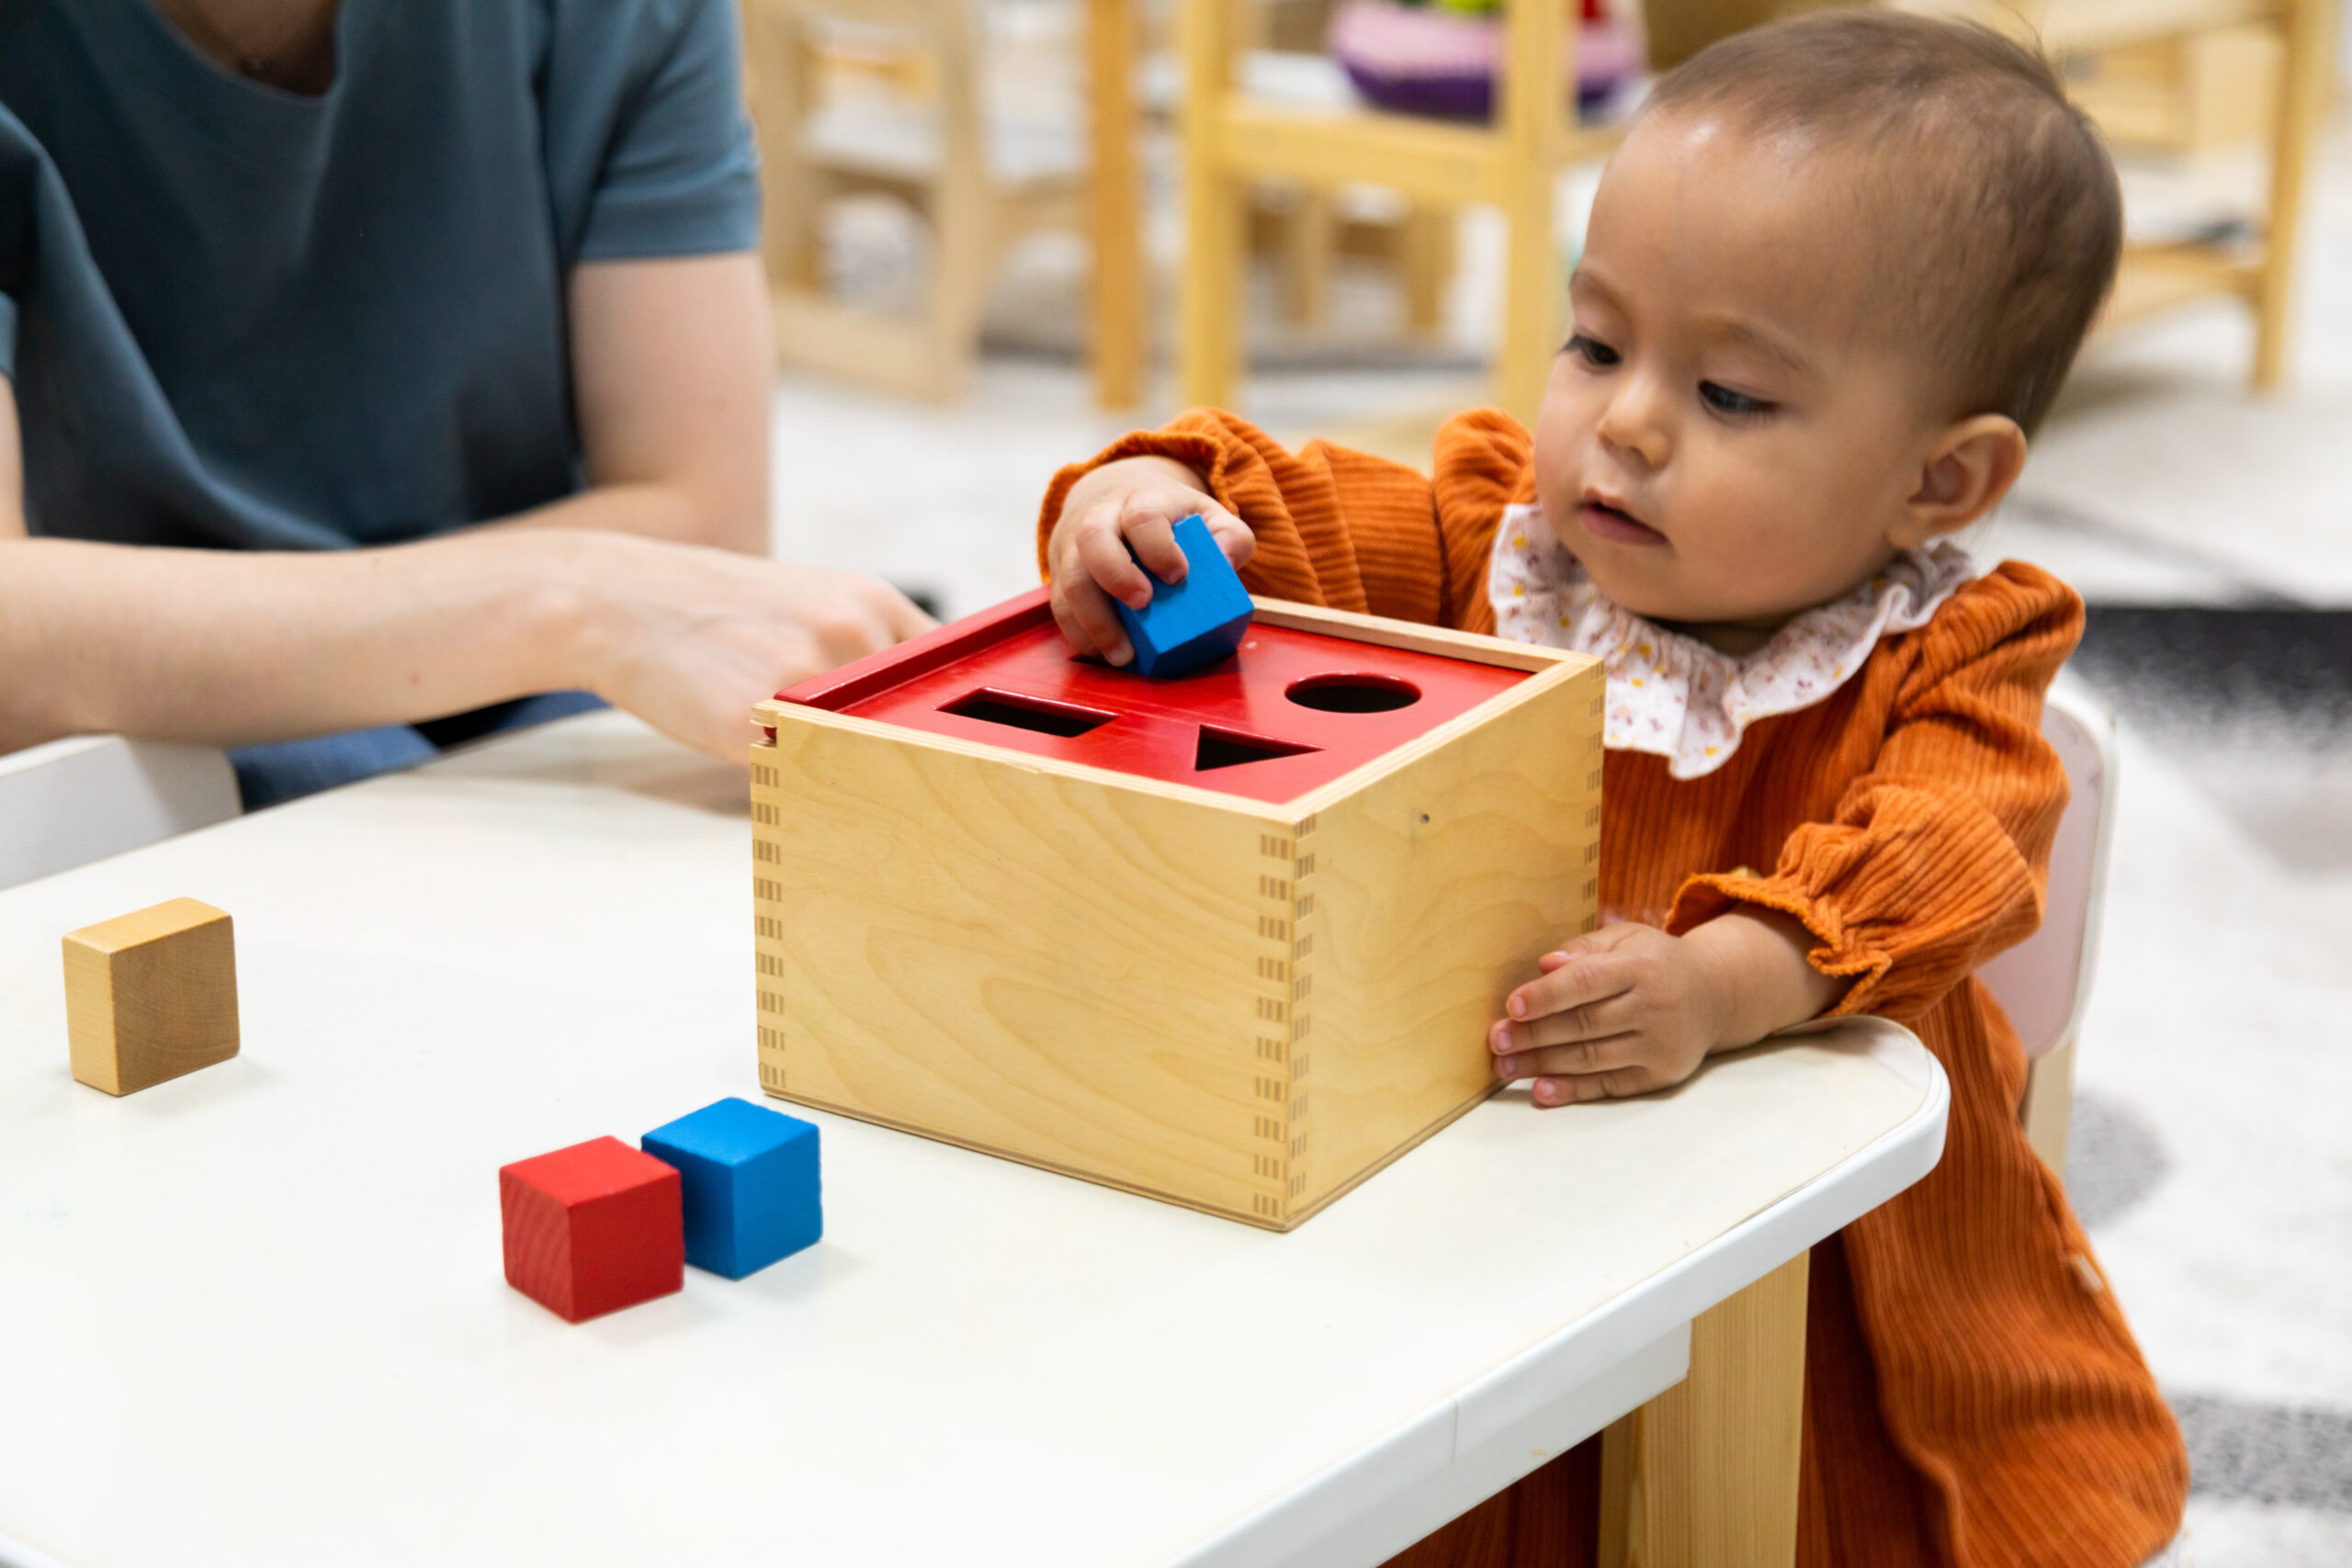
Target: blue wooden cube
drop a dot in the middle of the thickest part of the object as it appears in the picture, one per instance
(1191, 622)
(751, 1183)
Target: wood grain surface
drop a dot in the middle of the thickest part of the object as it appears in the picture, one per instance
(1240, 1006)
(150, 995)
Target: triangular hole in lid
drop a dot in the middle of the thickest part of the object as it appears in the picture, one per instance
(1231, 748)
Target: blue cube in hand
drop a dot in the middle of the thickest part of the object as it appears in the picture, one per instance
(1192, 623)
(751, 1184)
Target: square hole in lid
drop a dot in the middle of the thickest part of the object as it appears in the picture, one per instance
(992, 707)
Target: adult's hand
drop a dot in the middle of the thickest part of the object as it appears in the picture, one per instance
(688, 639)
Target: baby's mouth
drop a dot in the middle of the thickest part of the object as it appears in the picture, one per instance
(1607, 519)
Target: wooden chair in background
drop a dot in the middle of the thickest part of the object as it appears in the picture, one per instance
(1232, 141)
(893, 97)
(1305, 227)
(2295, 37)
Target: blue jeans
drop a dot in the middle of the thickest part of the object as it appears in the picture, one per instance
(287, 769)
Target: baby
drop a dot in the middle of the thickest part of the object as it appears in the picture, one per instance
(1834, 276)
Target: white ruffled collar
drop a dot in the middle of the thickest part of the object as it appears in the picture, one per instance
(1671, 694)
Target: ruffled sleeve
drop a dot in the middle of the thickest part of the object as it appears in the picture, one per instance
(1339, 528)
(1935, 859)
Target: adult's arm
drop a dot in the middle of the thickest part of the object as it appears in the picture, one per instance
(672, 371)
(227, 648)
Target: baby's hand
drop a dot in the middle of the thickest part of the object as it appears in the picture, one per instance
(1623, 1010)
(1630, 1008)
(1136, 501)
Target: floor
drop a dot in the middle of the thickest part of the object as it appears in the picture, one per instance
(2211, 532)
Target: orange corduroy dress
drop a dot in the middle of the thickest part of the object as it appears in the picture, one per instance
(1973, 1395)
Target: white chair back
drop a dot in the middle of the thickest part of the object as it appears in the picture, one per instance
(74, 801)
(2043, 982)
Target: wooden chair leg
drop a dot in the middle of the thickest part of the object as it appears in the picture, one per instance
(964, 260)
(1426, 257)
(1307, 238)
(1533, 125)
(2309, 59)
(1705, 1474)
(1523, 362)
(1209, 288)
(782, 84)
(1114, 222)
(962, 205)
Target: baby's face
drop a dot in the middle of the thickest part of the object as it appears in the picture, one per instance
(1729, 436)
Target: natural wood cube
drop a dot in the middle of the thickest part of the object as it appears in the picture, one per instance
(1231, 940)
(150, 995)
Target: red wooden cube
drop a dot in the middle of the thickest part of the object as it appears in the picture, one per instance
(593, 1228)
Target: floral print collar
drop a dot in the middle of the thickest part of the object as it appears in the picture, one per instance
(1671, 694)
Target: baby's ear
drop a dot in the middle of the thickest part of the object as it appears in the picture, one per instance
(1968, 467)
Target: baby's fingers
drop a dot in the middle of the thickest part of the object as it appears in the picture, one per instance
(1088, 623)
(1232, 535)
(1081, 606)
(1151, 532)
(1102, 555)
(1617, 1084)
(1606, 1055)
(1569, 1026)
(1584, 979)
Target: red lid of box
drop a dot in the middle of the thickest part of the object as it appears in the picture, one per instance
(1291, 711)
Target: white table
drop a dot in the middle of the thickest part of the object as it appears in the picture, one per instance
(256, 1317)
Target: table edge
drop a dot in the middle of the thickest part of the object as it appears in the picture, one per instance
(1555, 1367)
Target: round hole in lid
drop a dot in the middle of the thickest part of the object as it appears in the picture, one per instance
(1353, 693)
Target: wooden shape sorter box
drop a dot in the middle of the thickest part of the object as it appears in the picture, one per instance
(1232, 941)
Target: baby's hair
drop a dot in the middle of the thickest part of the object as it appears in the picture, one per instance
(2017, 218)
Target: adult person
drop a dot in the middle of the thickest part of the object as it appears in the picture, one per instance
(368, 361)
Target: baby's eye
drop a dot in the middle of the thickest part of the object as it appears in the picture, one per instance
(1723, 399)
(1593, 350)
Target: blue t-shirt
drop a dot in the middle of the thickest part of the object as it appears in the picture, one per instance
(239, 317)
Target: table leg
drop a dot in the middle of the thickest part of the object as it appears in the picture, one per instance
(1705, 1474)
(1119, 280)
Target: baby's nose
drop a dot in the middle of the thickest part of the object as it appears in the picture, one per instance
(1635, 428)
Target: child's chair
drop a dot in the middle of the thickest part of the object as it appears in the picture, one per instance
(2044, 981)
(890, 97)
(72, 802)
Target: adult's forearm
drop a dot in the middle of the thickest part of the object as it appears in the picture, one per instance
(669, 512)
(228, 648)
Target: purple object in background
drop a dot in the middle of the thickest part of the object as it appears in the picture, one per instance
(1417, 59)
